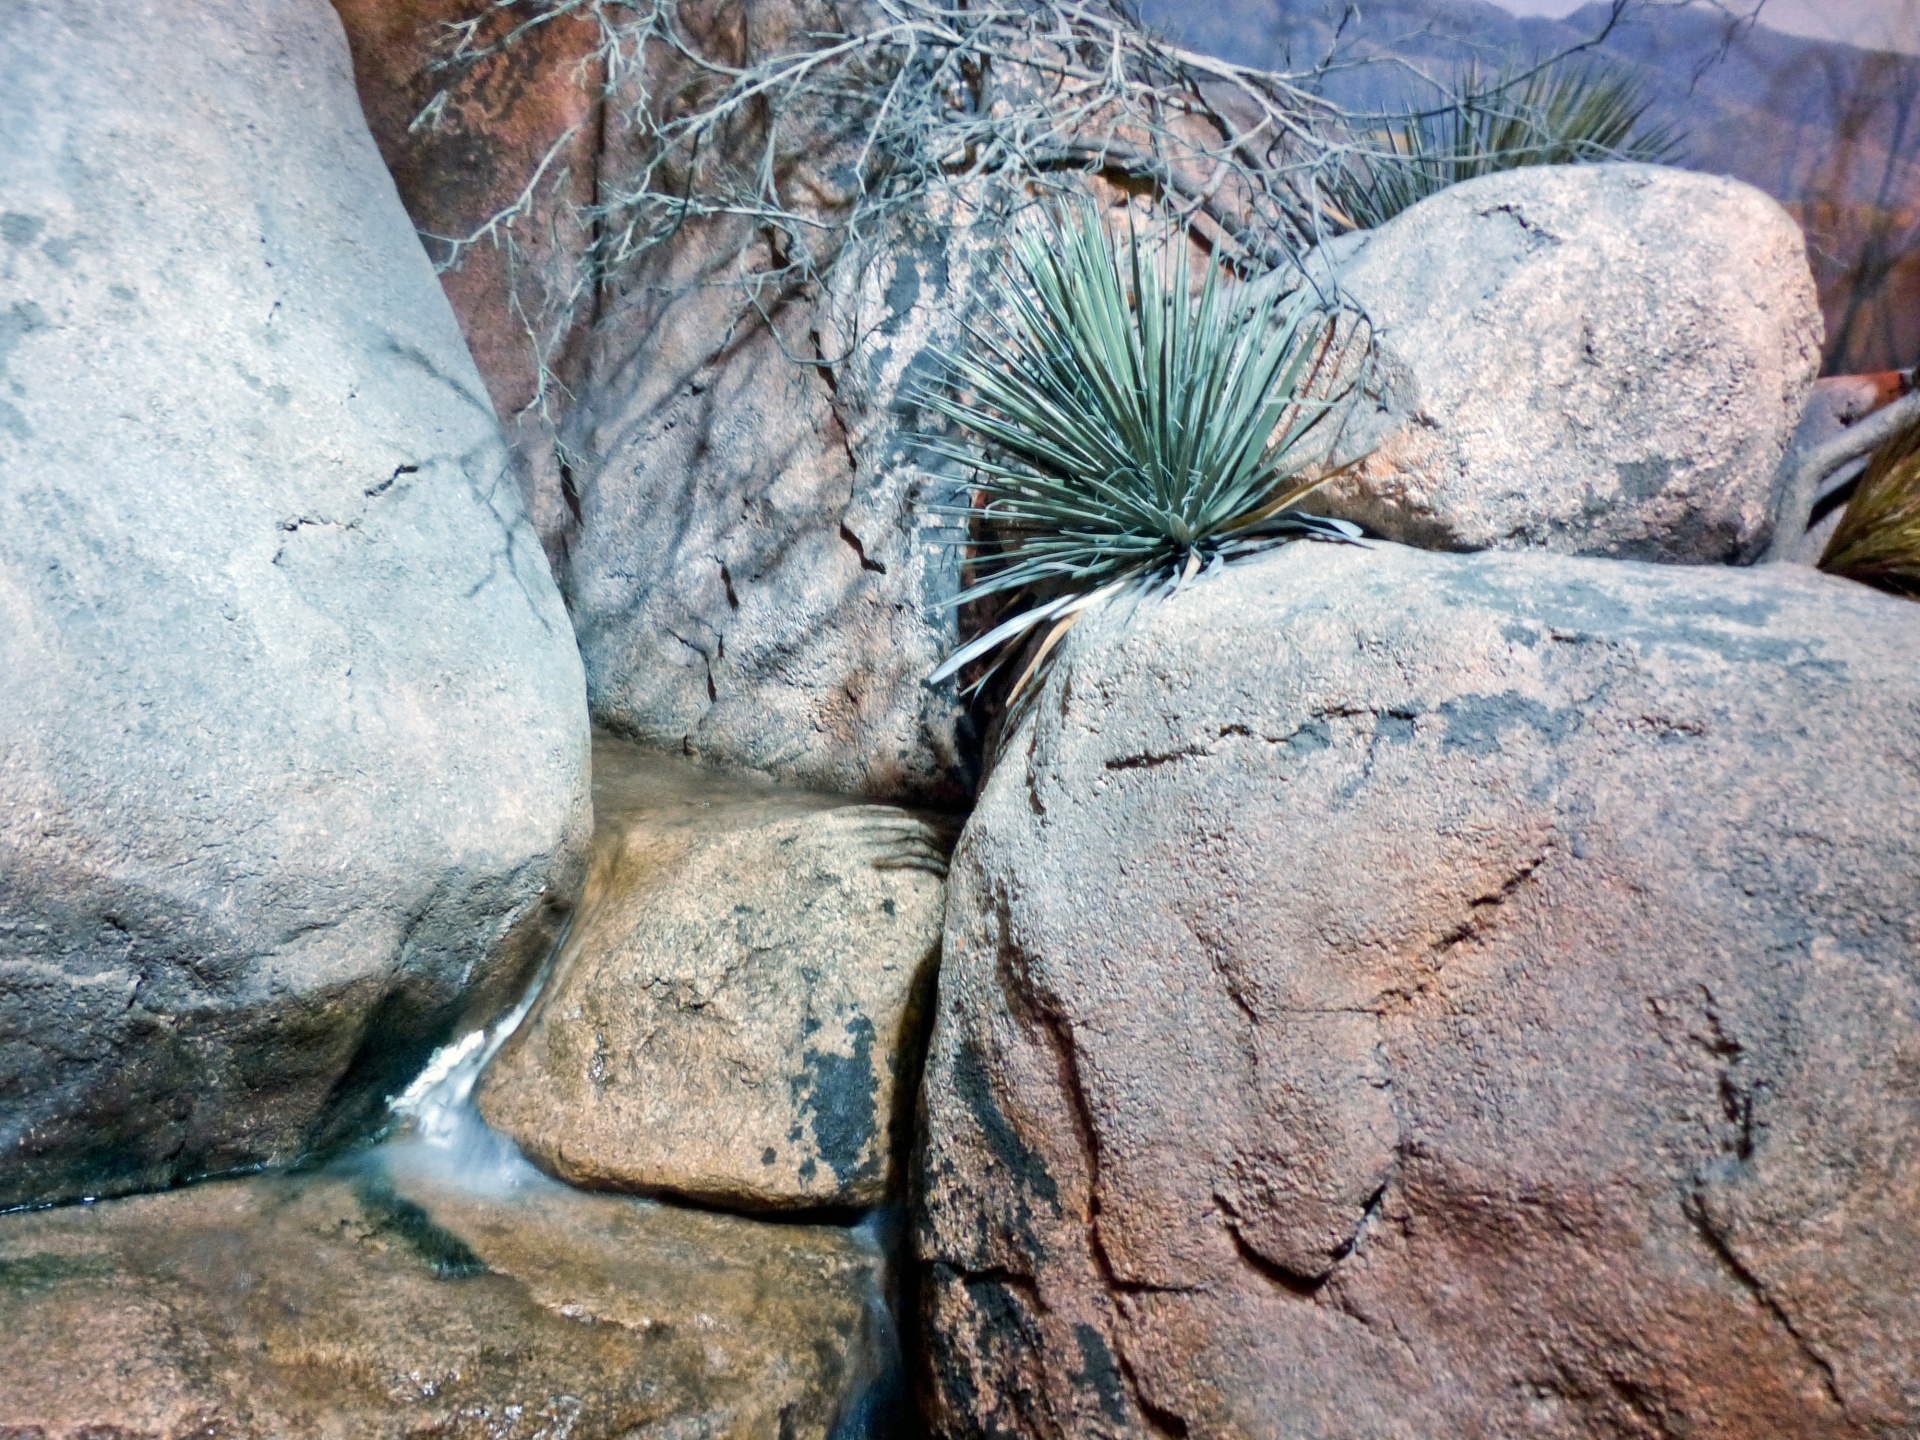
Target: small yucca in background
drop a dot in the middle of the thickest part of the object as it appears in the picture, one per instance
(1878, 539)
(1123, 431)
(1553, 117)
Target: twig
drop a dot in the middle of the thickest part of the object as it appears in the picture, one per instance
(1810, 467)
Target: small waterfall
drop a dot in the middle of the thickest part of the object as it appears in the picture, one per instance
(438, 1135)
(439, 1129)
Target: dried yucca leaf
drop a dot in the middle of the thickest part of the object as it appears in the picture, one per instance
(1878, 541)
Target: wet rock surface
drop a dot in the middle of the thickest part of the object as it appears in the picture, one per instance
(1391, 994)
(294, 738)
(738, 1014)
(384, 1301)
(1592, 360)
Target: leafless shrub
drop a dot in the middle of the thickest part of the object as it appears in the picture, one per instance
(838, 116)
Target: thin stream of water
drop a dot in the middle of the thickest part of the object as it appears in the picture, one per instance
(439, 1133)
(438, 1126)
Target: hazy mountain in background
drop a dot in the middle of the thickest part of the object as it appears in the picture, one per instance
(1831, 131)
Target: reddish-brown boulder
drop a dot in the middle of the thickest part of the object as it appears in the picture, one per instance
(1398, 994)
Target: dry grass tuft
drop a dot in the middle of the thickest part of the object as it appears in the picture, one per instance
(1878, 542)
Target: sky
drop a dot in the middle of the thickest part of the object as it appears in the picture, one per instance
(1873, 24)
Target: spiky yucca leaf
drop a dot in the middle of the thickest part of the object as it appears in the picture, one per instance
(1878, 539)
(1124, 431)
(1554, 117)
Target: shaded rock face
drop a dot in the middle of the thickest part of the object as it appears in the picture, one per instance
(370, 1304)
(736, 528)
(752, 579)
(738, 1014)
(1592, 360)
(1398, 994)
(294, 738)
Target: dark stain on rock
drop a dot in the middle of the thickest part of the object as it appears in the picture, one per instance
(18, 229)
(920, 270)
(1732, 626)
(983, 1382)
(975, 1089)
(1475, 722)
(15, 325)
(1643, 480)
(391, 1213)
(37, 1274)
(1310, 738)
(1395, 727)
(1099, 1373)
(838, 1094)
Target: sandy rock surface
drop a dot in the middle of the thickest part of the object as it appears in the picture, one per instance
(374, 1302)
(1592, 360)
(294, 732)
(738, 1016)
(1390, 994)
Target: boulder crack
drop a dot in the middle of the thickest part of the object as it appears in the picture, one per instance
(1312, 734)
(1059, 1034)
(1716, 1242)
(1484, 909)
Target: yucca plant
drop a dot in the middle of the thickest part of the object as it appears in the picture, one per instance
(1124, 432)
(1555, 116)
(1878, 539)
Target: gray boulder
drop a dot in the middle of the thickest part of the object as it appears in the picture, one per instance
(739, 1014)
(294, 741)
(1592, 360)
(1398, 994)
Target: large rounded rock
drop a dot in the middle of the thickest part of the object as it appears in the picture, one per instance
(1396, 994)
(1593, 360)
(382, 1305)
(294, 732)
(739, 1013)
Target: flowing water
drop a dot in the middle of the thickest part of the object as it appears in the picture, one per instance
(438, 1126)
(438, 1283)
(440, 1137)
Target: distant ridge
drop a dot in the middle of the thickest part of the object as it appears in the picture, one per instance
(1830, 130)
